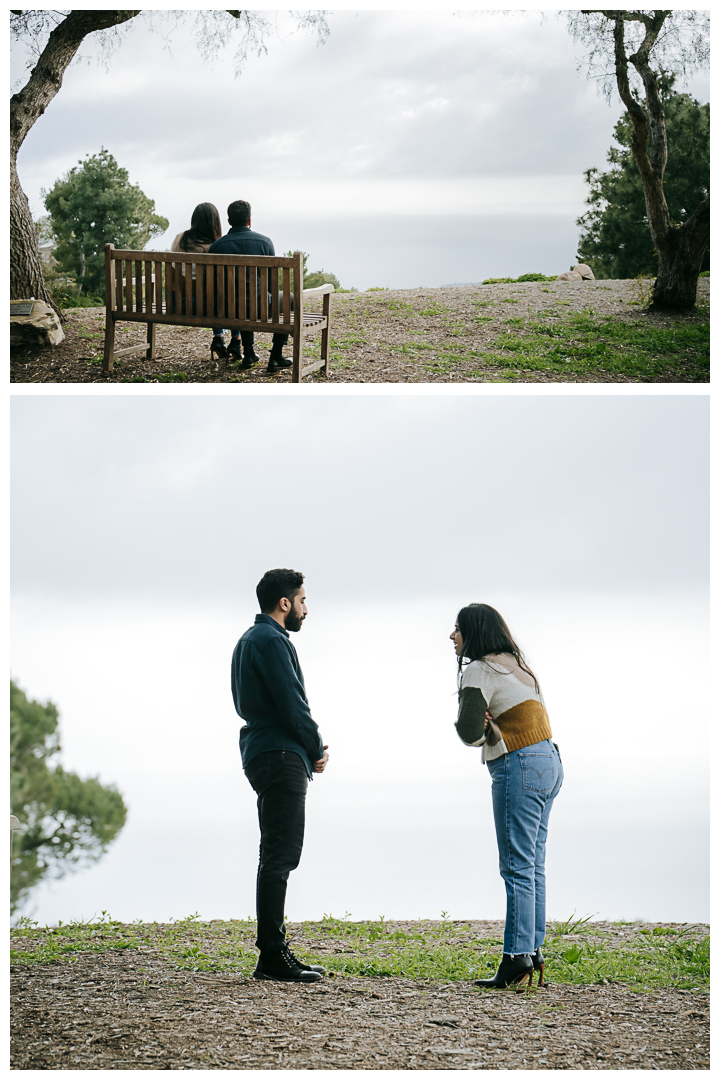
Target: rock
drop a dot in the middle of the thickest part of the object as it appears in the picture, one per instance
(569, 275)
(40, 327)
(584, 271)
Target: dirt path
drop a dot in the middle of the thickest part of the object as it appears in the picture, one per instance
(453, 334)
(130, 1009)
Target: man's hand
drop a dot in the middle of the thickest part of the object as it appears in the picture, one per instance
(488, 718)
(319, 766)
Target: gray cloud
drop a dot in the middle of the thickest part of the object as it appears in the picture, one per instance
(403, 97)
(189, 499)
(390, 94)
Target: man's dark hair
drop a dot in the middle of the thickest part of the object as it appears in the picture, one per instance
(239, 212)
(276, 584)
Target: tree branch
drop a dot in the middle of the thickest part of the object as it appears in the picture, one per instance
(47, 75)
(641, 62)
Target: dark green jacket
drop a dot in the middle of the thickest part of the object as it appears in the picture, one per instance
(269, 693)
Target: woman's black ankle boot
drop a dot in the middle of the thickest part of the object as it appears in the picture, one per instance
(539, 964)
(217, 346)
(513, 971)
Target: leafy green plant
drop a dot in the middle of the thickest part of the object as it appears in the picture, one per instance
(94, 204)
(67, 822)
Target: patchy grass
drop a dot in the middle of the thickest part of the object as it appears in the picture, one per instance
(576, 952)
(585, 343)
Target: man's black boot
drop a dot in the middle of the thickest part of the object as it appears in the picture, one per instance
(308, 967)
(250, 357)
(513, 970)
(277, 361)
(283, 966)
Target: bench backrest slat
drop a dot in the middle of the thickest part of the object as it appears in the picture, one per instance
(286, 296)
(251, 288)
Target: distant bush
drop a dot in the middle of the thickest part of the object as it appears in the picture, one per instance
(320, 277)
(377, 288)
(63, 289)
(704, 273)
(514, 281)
(313, 278)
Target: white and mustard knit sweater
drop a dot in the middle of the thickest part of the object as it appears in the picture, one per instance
(498, 685)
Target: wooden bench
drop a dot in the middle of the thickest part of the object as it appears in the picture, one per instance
(232, 291)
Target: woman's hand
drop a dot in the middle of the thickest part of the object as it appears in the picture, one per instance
(488, 718)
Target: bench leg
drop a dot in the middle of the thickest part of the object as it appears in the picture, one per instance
(150, 353)
(109, 343)
(325, 335)
(297, 354)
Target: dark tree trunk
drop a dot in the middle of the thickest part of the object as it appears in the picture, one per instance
(26, 106)
(680, 254)
(81, 275)
(26, 278)
(680, 248)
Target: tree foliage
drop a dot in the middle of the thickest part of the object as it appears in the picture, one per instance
(615, 237)
(95, 204)
(312, 278)
(636, 52)
(67, 822)
(681, 45)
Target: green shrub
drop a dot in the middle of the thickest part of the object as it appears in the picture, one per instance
(63, 290)
(320, 277)
(514, 281)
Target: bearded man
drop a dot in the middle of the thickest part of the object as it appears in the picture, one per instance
(281, 748)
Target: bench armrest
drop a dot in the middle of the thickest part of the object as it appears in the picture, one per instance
(319, 290)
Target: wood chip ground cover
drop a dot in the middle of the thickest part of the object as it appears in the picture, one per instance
(141, 1006)
(592, 332)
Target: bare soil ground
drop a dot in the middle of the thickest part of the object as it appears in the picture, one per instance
(449, 334)
(131, 1009)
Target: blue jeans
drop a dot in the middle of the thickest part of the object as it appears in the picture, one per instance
(524, 785)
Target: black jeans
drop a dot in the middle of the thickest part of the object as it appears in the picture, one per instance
(280, 780)
(248, 337)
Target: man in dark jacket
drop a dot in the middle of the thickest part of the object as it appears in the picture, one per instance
(281, 748)
(241, 240)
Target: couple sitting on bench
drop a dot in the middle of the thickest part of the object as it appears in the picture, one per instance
(205, 235)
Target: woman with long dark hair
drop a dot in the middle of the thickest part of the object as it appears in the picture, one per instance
(205, 229)
(502, 710)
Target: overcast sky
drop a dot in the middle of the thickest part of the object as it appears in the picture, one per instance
(554, 493)
(141, 525)
(413, 148)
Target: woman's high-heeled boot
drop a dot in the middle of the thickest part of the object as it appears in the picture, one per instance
(513, 970)
(539, 964)
(217, 345)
